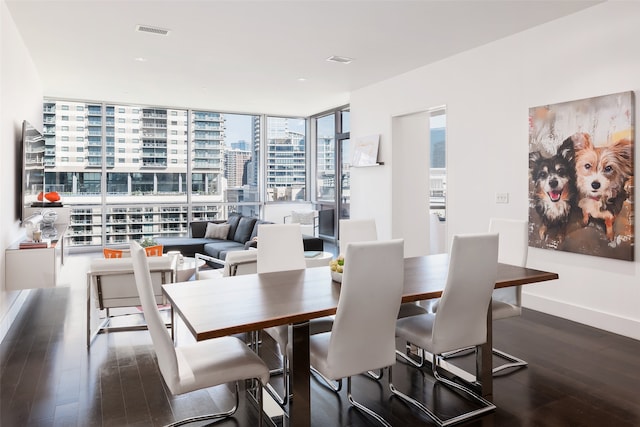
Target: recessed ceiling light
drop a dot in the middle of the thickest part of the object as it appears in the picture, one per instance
(302, 79)
(152, 30)
(340, 59)
(140, 59)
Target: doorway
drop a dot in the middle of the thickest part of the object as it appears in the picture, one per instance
(419, 181)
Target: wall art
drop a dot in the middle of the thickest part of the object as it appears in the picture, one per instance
(581, 176)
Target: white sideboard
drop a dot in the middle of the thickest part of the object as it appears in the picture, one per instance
(37, 268)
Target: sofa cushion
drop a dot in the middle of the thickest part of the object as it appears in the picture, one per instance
(245, 227)
(187, 246)
(198, 229)
(223, 254)
(214, 249)
(217, 231)
(233, 220)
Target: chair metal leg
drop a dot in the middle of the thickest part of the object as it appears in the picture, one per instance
(486, 405)
(514, 362)
(376, 376)
(363, 408)
(405, 356)
(281, 400)
(327, 382)
(225, 414)
(459, 352)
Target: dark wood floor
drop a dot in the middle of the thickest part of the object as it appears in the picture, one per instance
(577, 376)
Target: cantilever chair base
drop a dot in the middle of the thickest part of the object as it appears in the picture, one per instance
(363, 408)
(486, 406)
(327, 382)
(514, 362)
(218, 415)
(405, 356)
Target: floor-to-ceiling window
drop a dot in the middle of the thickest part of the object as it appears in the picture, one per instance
(132, 171)
(286, 159)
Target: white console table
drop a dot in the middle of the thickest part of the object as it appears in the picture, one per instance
(35, 268)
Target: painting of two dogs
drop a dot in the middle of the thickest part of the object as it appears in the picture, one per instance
(581, 188)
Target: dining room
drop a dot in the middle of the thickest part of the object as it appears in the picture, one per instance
(578, 333)
(48, 377)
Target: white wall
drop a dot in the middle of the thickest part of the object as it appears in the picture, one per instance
(410, 135)
(21, 100)
(487, 92)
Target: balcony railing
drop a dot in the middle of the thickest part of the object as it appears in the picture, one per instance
(126, 222)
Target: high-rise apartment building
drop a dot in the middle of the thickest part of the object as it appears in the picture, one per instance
(236, 165)
(130, 172)
(135, 157)
(286, 172)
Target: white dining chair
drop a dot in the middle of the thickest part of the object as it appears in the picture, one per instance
(280, 248)
(461, 319)
(363, 334)
(356, 230)
(196, 366)
(364, 230)
(507, 302)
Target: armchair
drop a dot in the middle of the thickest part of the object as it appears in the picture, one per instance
(308, 221)
(112, 283)
(235, 263)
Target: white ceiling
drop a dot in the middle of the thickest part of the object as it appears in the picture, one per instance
(247, 56)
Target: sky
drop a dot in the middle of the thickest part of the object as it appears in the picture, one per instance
(239, 127)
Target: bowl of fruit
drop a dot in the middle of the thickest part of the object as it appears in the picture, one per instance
(337, 267)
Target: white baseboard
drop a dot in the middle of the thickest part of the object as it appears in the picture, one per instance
(12, 313)
(587, 316)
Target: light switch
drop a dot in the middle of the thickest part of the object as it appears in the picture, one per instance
(502, 197)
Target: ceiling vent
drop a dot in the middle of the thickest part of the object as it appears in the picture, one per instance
(152, 30)
(340, 59)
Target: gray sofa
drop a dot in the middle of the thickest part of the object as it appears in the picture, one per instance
(242, 230)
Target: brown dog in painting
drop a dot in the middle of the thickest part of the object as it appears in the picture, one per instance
(601, 173)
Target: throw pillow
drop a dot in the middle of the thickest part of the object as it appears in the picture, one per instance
(217, 231)
(304, 218)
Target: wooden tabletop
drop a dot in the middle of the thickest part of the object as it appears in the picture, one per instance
(220, 307)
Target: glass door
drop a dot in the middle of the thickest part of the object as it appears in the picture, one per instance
(343, 200)
(333, 183)
(326, 176)
(344, 191)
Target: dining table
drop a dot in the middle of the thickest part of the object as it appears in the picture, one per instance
(231, 305)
